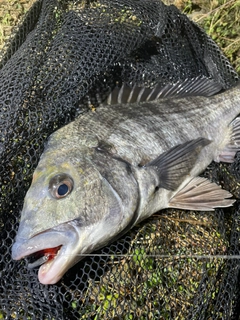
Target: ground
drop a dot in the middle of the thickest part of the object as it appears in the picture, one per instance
(220, 19)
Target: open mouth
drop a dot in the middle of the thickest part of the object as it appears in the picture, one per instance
(40, 257)
(53, 251)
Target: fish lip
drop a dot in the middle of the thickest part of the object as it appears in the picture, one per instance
(25, 247)
(65, 235)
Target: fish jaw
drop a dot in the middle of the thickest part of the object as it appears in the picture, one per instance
(66, 237)
(70, 241)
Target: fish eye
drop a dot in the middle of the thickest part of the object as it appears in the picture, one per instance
(60, 185)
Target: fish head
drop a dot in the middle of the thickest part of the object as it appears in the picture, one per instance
(76, 203)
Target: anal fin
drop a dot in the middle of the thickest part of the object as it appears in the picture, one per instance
(228, 153)
(202, 195)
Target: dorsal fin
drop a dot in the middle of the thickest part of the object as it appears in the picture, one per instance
(199, 86)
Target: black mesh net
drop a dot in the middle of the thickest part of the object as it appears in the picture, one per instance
(65, 57)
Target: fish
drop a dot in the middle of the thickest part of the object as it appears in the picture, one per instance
(114, 167)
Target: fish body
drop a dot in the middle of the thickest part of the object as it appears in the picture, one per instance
(112, 168)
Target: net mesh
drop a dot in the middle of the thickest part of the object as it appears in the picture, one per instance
(65, 57)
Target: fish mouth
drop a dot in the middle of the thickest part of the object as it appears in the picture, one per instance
(54, 251)
(38, 258)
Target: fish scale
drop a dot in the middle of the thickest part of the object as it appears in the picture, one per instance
(112, 168)
(179, 119)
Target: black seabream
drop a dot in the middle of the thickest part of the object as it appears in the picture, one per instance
(112, 168)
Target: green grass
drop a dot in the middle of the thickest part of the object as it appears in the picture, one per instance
(11, 11)
(220, 19)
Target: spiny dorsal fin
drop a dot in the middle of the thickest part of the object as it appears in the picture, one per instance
(202, 195)
(199, 86)
(175, 164)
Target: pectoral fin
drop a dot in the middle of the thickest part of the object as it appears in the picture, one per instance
(174, 165)
(228, 153)
(202, 195)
